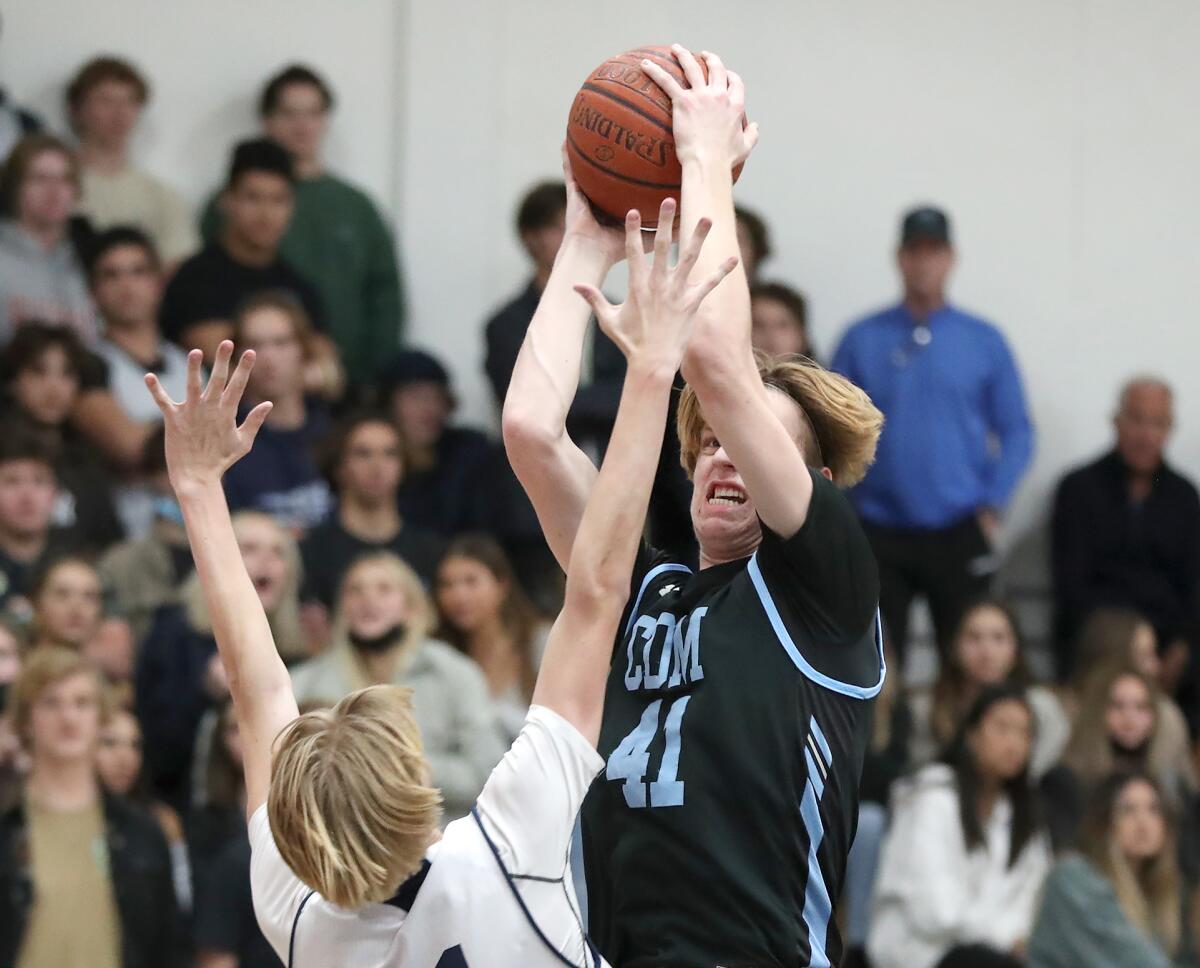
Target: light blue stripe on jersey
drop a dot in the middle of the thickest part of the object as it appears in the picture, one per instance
(818, 908)
(650, 576)
(801, 663)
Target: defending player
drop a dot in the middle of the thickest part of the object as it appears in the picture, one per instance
(348, 867)
(738, 708)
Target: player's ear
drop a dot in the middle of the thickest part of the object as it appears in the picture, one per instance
(827, 474)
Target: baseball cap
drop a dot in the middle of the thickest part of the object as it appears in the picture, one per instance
(925, 224)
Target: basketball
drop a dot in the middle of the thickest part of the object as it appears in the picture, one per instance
(619, 136)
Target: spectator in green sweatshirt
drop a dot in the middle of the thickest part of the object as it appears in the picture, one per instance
(336, 238)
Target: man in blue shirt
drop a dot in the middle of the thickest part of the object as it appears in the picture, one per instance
(956, 440)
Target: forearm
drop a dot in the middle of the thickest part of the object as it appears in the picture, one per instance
(240, 625)
(611, 529)
(547, 370)
(721, 334)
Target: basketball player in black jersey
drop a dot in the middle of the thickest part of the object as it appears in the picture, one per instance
(739, 699)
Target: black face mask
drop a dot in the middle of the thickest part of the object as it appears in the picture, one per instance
(374, 644)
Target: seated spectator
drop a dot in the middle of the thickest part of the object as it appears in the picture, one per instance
(111, 650)
(199, 303)
(179, 676)
(1116, 728)
(218, 813)
(41, 274)
(886, 761)
(85, 878)
(964, 859)
(28, 493)
(104, 101)
(754, 241)
(446, 469)
(1126, 532)
(364, 462)
(15, 123)
(486, 615)
(42, 369)
(779, 320)
(144, 574)
(986, 651)
(126, 281)
(280, 475)
(1116, 903)
(119, 766)
(1121, 636)
(67, 605)
(226, 932)
(381, 635)
(336, 238)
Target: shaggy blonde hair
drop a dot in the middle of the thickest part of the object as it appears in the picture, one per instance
(350, 803)
(284, 619)
(842, 425)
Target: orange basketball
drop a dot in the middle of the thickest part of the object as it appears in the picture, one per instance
(619, 136)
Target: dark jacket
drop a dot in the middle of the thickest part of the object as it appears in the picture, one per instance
(141, 877)
(171, 700)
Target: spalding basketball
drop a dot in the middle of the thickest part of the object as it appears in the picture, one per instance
(619, 136)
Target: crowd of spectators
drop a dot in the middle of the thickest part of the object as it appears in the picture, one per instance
(1005, 820)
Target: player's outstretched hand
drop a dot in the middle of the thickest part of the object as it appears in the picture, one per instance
(709, 116)
(652, 326)
(203, 439)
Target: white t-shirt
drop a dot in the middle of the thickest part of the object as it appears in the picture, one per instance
(500, 900)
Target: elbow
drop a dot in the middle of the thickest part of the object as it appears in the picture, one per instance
(526, 436)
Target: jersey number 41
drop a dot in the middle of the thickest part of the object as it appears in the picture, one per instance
(629, 761)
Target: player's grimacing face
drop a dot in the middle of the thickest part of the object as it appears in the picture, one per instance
(723, 516)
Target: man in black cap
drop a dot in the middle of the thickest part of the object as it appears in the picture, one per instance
(956, 441)
(199, 303)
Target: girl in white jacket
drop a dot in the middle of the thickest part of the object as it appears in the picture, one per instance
(965, 857)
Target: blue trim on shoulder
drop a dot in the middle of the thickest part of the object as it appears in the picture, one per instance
(650, 576)
(801, 663)
(296, 924)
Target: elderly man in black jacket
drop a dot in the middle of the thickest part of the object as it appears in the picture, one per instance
(85, 879)
(1126, 532)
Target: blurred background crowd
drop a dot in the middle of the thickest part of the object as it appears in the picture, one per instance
(1031, 792)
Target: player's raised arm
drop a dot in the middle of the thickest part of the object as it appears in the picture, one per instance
(555, 473)
(651, 328)
(203, 440)
(711, 138)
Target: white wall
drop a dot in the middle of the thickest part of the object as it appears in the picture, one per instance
(1060, 135)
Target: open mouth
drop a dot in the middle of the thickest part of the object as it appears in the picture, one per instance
(726, 496)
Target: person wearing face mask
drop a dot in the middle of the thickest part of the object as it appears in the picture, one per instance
(381, 636)
(179, 676)
(965, 856)
(1116, 729)
(44, 369)
(986, 651)
(1117, 902)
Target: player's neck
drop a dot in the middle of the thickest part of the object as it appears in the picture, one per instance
(710, 557)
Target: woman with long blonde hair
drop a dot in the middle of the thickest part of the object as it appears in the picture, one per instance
(1118, 901)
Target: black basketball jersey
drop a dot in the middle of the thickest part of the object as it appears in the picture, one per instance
(737, 716)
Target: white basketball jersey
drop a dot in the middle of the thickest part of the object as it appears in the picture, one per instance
(495, 892)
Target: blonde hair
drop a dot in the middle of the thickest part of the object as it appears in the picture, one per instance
(284, 618)
(45, 667)
(421, 615)
(1089, 752)
(350, 801)
(842, 425)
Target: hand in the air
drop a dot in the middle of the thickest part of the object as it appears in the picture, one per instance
(652, 326)
(203, 439)
(709, 117)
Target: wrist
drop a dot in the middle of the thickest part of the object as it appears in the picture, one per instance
(585, 253)
(653, 371)
(196, 487)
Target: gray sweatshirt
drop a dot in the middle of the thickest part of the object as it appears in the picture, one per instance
(42, 285)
